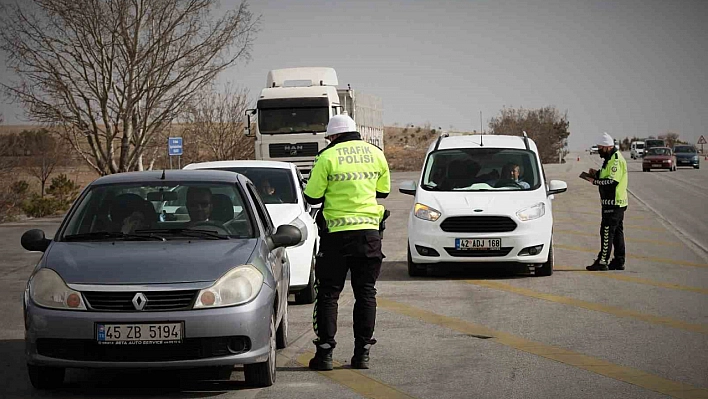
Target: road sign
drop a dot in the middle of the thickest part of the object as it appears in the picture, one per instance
(174, 146)
(702, 140)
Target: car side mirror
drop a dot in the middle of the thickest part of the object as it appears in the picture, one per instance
(34, 240)
(557, 187)
(247, 129)
(407, 187)
(286, 236)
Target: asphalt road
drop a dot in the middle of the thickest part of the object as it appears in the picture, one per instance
(474, 331)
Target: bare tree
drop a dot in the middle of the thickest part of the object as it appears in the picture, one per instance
(546, 126)
(215, 124)
(113, 74)
(671, 139)
(44, 152)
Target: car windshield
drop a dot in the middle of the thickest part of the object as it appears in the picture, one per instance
(684, 149)
(481, 169)
(274, 185)
(658, 151)
(293, 120)
(164, 210)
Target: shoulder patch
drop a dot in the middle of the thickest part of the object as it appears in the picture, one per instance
(614, 168)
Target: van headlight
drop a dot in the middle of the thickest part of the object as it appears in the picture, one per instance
(426, 213)
(239, 285)
(47, 289)
(532, 212)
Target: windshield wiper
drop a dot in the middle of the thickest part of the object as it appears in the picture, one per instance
(105, 235)
(188, 233)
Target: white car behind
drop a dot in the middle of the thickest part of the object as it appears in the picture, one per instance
(286, 205)
(470, 207)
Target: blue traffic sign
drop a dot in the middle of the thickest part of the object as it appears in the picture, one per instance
(174, 146)
(175, 151)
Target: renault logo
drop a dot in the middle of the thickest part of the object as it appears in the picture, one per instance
(139, 301)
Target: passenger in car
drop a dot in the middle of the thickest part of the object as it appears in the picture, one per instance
(130, 212)
(267, 192)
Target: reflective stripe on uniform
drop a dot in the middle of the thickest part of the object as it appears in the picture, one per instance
(354, 176)
(351, 221)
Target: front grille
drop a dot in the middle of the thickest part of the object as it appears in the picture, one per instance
(478, 224)
(189, 349)
(156, 300)
(292, 150)
(477, 253)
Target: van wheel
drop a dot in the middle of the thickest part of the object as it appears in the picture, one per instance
(646, 170)
(547, 268)
(46, 377)
(416, 270)
(308, 294)
(263, 374)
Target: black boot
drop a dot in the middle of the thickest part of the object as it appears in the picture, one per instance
(322, 360)
(360, 360)
(616, 264)
(597, 266)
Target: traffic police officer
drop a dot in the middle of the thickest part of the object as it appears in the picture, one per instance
(348, 176)
(612, 183)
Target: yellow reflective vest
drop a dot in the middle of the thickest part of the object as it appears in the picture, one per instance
(348, 175)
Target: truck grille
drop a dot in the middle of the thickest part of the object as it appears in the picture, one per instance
(478, 224)
(156, 300)
(292, 150)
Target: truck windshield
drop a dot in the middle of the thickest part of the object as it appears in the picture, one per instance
(481, 169)
(654, 143)
(293, 120)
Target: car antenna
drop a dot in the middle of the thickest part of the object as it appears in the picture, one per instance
(163, 174)
(481, 143)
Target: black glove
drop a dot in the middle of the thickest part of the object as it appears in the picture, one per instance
(382, 225)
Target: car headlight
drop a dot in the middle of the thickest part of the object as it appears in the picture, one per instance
(47, 289)
(695, 158)
(426, 213)
(239, 285)
(532, 212)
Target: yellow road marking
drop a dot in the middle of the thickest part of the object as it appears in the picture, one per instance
(572, 211)
(647, 258)
(620, 373)
(357, 382)
(623, 277)
(615, 311)
(640, 240)
(597, 225)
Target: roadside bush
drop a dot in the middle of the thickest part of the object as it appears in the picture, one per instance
(11, 196)
(63, 190)
(38, 206)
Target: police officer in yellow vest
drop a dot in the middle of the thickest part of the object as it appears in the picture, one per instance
(612, 182)
(348, 176)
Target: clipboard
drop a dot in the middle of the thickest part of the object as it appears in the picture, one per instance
(586, 176)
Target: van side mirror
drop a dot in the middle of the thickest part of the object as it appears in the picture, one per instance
(407, 187)
(34, 240)
(557, 187)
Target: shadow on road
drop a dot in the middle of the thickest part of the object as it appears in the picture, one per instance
(398, 271)
(111, 383)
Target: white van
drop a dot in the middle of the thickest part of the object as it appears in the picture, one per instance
(481, 198)
(636, 149)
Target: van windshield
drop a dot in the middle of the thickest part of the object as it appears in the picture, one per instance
(481, 169)
(639, 146)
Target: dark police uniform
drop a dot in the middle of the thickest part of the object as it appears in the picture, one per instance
(348, 176)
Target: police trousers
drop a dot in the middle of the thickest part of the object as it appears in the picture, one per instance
(360, 253)
(612, 235)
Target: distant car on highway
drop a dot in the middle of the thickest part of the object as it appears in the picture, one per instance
(659, 158)
(651, 143)
(636, 149)
(593, 150)
(120, 287)
(477, 203)
(286, 204)
(687, 155)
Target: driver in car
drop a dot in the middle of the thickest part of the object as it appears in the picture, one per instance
(199, 204)
(511, 171)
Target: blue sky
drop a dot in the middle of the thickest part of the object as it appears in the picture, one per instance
(626, 67)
